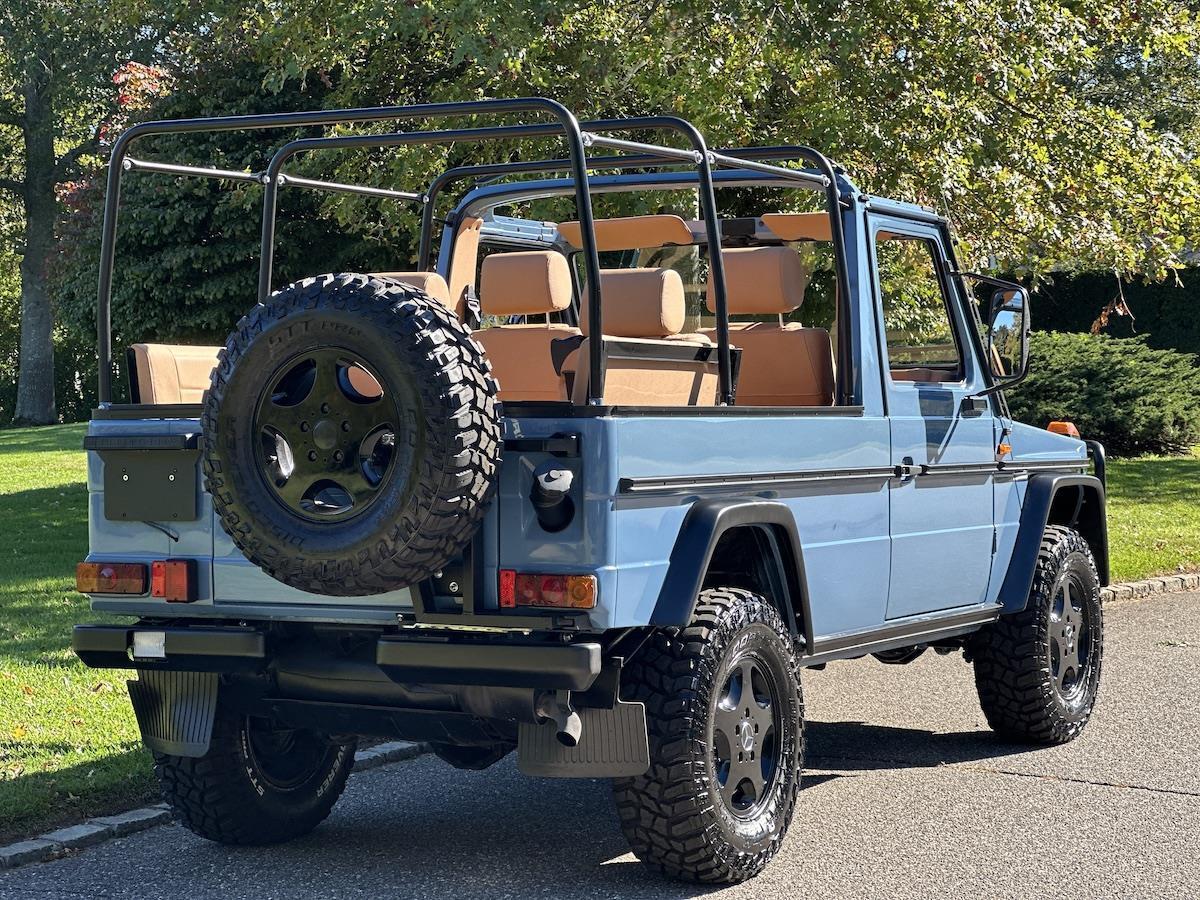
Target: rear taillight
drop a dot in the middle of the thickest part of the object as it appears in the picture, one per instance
(547, 591)
(110, 578)
(174, 580)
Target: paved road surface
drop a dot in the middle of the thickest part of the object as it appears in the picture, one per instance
(907, 794)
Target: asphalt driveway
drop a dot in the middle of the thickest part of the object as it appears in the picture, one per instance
(906, 794)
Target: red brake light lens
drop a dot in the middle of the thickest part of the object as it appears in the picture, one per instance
(508, 589)
(174, 580)
(110, 578)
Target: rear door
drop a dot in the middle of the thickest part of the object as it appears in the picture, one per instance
(942, 438)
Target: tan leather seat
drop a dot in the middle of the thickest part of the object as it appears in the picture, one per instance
(782, 364)
(648, 362)
(170, 373)
(528, 283)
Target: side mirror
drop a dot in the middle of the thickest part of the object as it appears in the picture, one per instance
(1007, 335)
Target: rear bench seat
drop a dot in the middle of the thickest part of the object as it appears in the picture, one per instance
(649, 363)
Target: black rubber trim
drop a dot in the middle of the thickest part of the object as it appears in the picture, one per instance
(124, 411)
(902, 634)
(188, 649)
(141, 442)
(702, 528)
(566, 445)
(565, 410)
(553, 666)
(1035, 515)
(683, 484)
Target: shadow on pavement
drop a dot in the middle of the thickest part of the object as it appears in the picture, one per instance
(859, 746)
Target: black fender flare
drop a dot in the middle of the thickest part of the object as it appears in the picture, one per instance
(706, 521)
(1083, 496)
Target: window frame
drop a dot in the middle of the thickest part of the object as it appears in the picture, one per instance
(932, 236)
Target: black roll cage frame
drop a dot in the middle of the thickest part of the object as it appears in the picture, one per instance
(579, 136)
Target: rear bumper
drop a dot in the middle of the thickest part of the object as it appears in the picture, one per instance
(243, 649)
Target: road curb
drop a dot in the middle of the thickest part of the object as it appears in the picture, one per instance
(101, 829)
(1164, 584)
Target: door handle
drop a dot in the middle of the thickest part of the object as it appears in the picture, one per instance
(906, 469)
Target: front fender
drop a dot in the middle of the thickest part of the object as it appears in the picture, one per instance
(1077, 501)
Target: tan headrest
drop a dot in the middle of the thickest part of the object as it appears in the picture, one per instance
(430, 282)
(812, 226)
(631, 232)
(761, 280)
(639, 303)
(528, 283)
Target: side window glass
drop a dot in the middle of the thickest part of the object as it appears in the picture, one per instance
(916, 318)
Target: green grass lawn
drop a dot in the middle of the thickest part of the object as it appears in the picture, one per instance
(68, 741)
(1154, 515)
(69, 745)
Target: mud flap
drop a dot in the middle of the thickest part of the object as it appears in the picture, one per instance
(613, 744)
(175, 710)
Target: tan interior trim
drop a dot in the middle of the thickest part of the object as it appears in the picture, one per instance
(631, 232)
(525, 283)
(431, 283)
(814, 226)
(463, 260)
(173, 373)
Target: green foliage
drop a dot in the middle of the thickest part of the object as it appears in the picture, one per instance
(1130, 397)
(1056, 135)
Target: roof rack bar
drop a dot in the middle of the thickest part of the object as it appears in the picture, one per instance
(733, 162)
(336, 187)
(132, 164)
(591, 139)
(567, 126)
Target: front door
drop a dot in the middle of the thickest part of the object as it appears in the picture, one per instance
(942, 439)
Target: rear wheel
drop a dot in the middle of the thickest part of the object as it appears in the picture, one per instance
(1038, 671)
(258, 784)
(726, 728)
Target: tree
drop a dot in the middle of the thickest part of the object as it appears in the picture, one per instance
(57, 60)
(1056, 135)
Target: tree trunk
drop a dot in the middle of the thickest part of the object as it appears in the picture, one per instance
(35, 379)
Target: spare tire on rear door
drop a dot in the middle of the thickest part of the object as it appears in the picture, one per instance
(351, 438)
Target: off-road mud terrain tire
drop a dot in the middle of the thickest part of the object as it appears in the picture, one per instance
(228, 796)
(674, 816)
(445, 456)
(1014, 657)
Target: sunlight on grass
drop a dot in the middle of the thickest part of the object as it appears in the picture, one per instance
(69, 745)
(1154, 515)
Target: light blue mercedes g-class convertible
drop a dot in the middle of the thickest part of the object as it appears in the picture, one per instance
(647, 430)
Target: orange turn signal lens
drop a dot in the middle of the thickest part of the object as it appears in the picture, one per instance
(1067, 428)
(547, 591)
(110, 578)
(174, 580)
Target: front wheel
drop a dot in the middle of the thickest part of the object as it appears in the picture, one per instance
(258, 784)
(1038, 671)
(726, 726)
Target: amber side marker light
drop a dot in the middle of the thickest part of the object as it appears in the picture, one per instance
(1067, 428)
(110, 578)
(174, 580)
(548, 591)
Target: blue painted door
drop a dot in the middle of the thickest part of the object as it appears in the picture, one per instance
(942, 527)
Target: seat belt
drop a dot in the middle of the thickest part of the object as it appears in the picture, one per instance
(474, 312)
